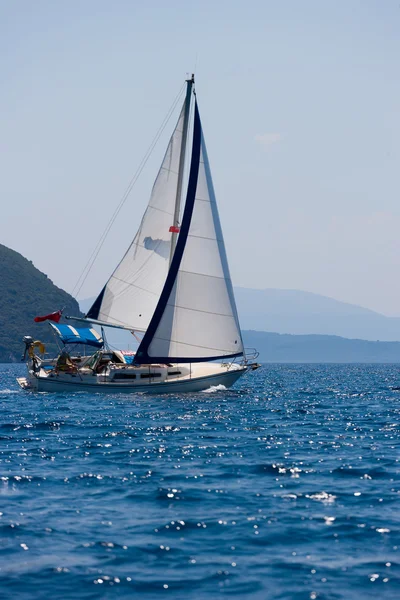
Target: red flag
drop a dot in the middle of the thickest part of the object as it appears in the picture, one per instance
(174, 229)
(55, 316)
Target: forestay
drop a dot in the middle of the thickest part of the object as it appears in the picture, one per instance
(131, 294)
(196, 318)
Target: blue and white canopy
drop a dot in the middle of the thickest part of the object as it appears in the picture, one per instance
(83, 335)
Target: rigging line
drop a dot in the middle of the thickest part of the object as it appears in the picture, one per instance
(85, 272)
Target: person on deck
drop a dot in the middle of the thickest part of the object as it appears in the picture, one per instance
(64, 363)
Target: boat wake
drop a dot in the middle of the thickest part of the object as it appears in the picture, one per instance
(215, 388)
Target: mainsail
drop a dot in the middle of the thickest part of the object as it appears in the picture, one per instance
(130, 296)
(195, 318)
(180, 296)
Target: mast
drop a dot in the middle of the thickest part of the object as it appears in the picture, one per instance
(175, 225)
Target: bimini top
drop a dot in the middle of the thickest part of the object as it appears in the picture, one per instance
(83, 335)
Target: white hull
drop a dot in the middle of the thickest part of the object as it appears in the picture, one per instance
(217, 375)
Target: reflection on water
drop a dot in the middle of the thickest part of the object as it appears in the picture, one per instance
(285, 487)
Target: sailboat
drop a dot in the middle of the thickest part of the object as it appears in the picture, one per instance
(172, 286)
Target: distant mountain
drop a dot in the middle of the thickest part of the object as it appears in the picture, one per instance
(276, 347)
(297, 312)
(25, 292)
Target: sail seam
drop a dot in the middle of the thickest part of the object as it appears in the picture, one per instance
(203, 275)
(203, 237)
(207, 312)
(169, 170)
(156, 337)
(160, 210)
(134, 285)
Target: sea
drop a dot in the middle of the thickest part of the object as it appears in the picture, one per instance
(284, 487)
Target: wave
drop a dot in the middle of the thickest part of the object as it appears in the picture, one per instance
(215, 388)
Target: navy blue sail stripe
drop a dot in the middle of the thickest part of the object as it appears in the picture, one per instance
(93, 312)
(142, 356)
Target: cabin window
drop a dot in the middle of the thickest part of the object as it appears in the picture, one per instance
(124, 376)
(149, 375)
(174, 372)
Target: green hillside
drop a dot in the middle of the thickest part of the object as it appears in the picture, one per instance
(25, 292)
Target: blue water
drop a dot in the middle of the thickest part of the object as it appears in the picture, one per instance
(286, 487)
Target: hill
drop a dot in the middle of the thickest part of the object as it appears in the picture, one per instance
(276, 347)
(25, 292)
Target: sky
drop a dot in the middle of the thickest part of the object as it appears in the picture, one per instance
(300, 105)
